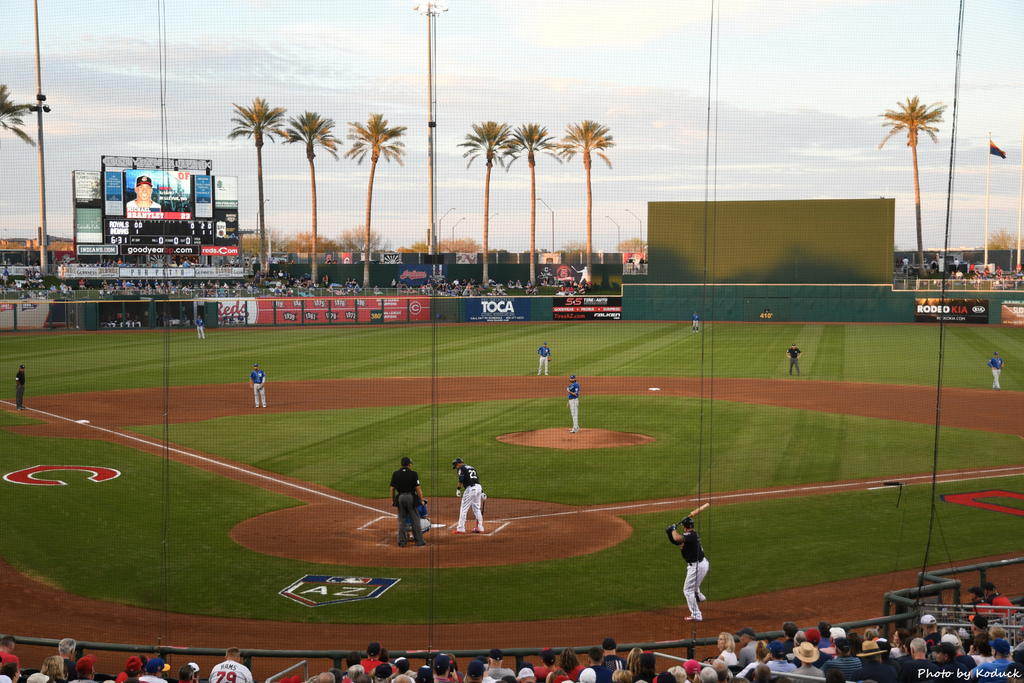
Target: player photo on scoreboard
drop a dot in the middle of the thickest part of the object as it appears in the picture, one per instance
(155, 195)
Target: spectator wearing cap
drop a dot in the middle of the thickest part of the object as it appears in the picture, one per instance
(960, 655)
(645, 668)
(496, 667)
(871, 667)
(834, 633)
(996, 599)
(424, 675)
(945, 659)
(442, 666)
(547, 656)
(589, 675)
(382, 674)
(666, 677)
(994, 671)
(85, 668)
(526, 675)
(155, 669)
(747, 646)
(843, 660)
(570, 664)
(611, 660)
(601, 673)
(887, 659)
(813, 636)
(929, 630)
(38, 677)
(979, 625)
(977, 594)
(777, 661)
(372, 660)
(692, 669)
(474, 671)
(807, 654)
(918, 668)
(132, 668)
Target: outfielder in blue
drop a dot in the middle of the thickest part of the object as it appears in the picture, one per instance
(545, 355)
(574, 403)
(200, 330)
(996, 363)
(696, 322)
(256, 379)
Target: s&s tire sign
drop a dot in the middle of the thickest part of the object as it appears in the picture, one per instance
(951, 311)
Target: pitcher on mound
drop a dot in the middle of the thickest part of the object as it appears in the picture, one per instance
(472, 496)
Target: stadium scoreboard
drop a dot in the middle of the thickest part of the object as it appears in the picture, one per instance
(140, 211)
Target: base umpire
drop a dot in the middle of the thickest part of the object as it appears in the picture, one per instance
(406, 495)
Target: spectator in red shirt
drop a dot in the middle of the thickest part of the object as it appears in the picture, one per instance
(547, 655)
(371, 663)
(7, 644)
(570, 663)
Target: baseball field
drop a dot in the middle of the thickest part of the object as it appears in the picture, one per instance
(218, 507)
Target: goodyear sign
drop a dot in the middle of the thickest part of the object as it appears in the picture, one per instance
(951, 311)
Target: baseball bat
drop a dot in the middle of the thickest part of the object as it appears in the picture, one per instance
(697, 511)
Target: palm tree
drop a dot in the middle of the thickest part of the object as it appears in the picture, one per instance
(312, 131)
(914, 118)
(375, 139)
(258, 122)
(10, 115)
(586, 138)
(531, 138)
(492, 140)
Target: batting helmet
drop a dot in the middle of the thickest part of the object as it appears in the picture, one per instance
(456, 462)
(687, 522)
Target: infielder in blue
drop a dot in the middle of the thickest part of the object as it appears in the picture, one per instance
(574, 403)
(696, 322)
(996, 363)
(256, 379)
(200, 330)
(545, 355)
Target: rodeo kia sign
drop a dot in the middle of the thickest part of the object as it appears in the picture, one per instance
(951, 311)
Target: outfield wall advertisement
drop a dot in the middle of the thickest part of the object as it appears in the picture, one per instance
(497, 310)
(323, 311)
(1013, 313)
(951, 311)
(587, 308)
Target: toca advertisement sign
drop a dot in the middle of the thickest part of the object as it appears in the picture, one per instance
(497, 310)
(973, 311)
(587, 308)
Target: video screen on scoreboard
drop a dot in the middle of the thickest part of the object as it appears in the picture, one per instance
(158, 195)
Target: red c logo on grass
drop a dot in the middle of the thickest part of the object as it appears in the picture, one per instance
(976, 500)
(28, 476)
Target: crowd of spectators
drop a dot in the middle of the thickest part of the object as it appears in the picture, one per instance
(975, 651)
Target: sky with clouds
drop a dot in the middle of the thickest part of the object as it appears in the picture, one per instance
(796, 89)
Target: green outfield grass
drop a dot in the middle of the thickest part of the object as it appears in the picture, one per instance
(354, 451)
(890, 354)
(754, 547)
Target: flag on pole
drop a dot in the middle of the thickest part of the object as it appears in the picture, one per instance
(992, 149)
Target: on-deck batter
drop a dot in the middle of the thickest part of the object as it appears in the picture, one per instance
(696, 565)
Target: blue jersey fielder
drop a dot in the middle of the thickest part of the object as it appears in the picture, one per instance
(573, 401)
(256, 379)
(996, 363)
(696, 321)
(545, 355)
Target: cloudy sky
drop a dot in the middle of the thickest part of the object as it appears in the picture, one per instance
(796, 88)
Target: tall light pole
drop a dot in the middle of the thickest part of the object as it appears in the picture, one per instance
(39, 108)
(640, 245)
(552, 223)
(618, 230)
(453, 230)
(431, 8)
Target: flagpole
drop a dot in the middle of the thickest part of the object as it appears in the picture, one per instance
(988, 174)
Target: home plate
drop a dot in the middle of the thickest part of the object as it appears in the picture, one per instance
(654, 389)
(82, 422)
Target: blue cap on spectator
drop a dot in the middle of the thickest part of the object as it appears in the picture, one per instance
(841, 644)
(497, 654)
(475, 668)
(776, 648)
(1001, 645)
(441, 663)
(383, 670)
(424, 675)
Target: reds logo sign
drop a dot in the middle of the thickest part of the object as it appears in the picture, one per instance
(28, 476)
(220, 251)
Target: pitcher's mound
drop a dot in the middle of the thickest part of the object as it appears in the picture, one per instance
(585, 438)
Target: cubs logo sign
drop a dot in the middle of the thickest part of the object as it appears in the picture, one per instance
(317, 590)
(28, 475)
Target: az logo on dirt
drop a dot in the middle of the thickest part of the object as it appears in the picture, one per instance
(317, 590)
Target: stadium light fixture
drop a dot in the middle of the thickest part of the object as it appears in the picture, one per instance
(39, 108)
(431, 8)
(618, 230)
(552, 222)
(641, 235)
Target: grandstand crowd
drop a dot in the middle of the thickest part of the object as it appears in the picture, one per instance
(974, 651)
